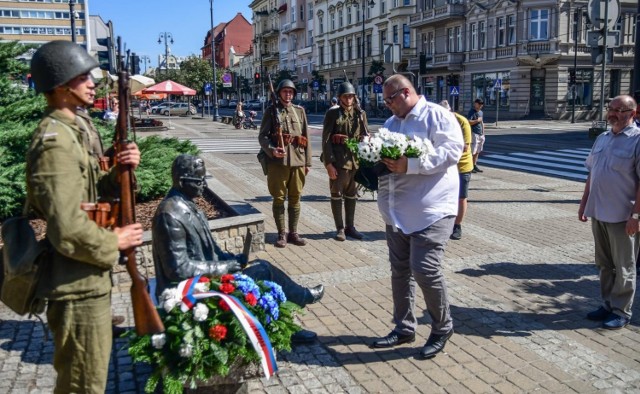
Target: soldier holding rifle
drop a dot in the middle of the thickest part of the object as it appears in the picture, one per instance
(283, 137)
(346, 121)
(62, 175)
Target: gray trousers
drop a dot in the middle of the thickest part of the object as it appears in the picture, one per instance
(616, 259)
(416, 259)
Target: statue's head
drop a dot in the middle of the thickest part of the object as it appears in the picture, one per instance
(188, 175)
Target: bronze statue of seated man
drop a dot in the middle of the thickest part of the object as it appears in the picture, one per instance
(183, 246)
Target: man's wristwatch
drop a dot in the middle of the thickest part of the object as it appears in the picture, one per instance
(635, 216)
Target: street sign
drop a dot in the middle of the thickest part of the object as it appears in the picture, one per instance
(455, 91)
(498, 84)
(207, 88)
(596, 10)
(227, 80)
(377, 88)
(594, 38)
(378, 79)
(316, 85)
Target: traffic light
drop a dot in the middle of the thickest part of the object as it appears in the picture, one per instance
(135, 64)
(572, 77)
(256, 78)
(106, 57)
(423, 63)
(449, 80)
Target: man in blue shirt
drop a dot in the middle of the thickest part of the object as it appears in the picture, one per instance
(477, 131)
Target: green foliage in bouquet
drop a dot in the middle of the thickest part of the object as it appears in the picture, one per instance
(208, 340)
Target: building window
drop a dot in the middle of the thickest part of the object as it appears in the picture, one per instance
(482, 35)
(333, 21)
(511, 29)
(450, 42)
(321, 55)
(349, 16)
(310, 11)
(395, 34)
(383, 7)
(340, 19)
(310, 38)
(538, 24)
(349, 49)
(383, 40)
(482, 87)
(583, 89)
(429, 4)
(474, 37)
(369, 48)
(359, 47)
(500, 33)
(432, 44)
(333, 53)
(458, 32)
(614, 83)
(301, 12)
(425, 44)
(406, 2)
(341, 50)
(406, 36)
(320, 25)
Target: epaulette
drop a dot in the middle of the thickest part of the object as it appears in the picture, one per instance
(297, 106)
(50, 134)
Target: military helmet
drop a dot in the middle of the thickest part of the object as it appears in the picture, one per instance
(58, 62)
(346, 88)
(287, 83)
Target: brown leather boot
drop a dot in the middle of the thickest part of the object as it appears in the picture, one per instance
(282, 240)
(353, 233)
(295, 239)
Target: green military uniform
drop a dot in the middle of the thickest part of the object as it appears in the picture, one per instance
(338, 122)
(286, 176)
(62, 173)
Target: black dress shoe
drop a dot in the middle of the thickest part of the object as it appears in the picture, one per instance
(435, 344)
(315, 294)
(304, 337)
(393, 339)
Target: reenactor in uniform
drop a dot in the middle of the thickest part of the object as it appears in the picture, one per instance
(62, 173)
(340, 125)
(288, 160)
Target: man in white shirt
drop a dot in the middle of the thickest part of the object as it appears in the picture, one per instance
(419, 202)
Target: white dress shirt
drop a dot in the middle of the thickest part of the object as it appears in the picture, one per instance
(429, 190)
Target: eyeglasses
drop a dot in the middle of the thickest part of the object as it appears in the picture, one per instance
(619, 110)
(389, 99)
(196, 181)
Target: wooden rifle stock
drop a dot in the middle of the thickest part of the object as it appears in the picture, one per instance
(276, 118)
(146, 317)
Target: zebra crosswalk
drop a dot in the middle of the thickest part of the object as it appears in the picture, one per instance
(563, 163)
(231, 145)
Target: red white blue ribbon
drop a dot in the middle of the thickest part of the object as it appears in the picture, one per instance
(251, 325)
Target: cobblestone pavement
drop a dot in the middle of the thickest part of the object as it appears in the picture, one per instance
(520, 281)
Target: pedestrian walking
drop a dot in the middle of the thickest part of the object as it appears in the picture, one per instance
(465, 168)
(476, 121)
(611, 200)
(61, 174)
(288, 160)
(418, 202)
(343, 123)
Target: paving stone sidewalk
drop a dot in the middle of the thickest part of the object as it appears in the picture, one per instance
(520, 281)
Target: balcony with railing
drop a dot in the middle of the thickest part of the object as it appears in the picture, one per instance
(272, 32)
(444, 13)
(269, 57)
(540, 47)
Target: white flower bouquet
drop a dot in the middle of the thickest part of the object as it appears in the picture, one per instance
(388, 144)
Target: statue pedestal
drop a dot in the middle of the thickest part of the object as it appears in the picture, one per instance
(234, 383)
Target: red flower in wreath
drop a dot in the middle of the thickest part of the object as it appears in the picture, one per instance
(251, 299)
(226, 278)
(224, 306)
(218, 332)
(227, 288)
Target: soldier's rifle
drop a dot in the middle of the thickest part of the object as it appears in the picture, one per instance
(146, 317)
(277, 124)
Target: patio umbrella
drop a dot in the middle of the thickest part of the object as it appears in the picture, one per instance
(170, 87)
(149, 96)
(138, 82)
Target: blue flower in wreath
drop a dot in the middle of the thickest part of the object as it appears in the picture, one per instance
(276, 291)
(247, 285)
(270, 306)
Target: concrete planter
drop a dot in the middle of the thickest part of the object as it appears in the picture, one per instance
(229, 232)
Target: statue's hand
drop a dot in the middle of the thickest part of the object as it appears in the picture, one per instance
(234, 266)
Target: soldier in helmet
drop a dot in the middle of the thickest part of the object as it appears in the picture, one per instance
(288, 160)
(62, 173)
(341, 124)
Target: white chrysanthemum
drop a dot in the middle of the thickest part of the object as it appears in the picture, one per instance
(170, 298)
(200, 312)
(158, 340)
(186, 350)
(201, 287)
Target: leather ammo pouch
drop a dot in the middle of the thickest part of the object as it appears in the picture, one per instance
(300, 141)
(339, 139)
(262, 159)
(22, 259)
(104, 162)
(99, 212)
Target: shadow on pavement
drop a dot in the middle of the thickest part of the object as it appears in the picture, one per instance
(27, 338)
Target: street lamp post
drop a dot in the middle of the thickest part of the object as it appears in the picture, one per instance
(167, 37)
(575, 65)
(145, 59)
(72, 16)
(364, 4)
(213, 61)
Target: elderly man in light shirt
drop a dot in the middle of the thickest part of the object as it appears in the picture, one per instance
(419, 202)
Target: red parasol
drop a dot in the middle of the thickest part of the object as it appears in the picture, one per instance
(170, 87)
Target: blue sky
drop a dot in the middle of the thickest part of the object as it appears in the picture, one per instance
(142, 22)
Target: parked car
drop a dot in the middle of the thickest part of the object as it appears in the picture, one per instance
(157, 109)
(223, 103)
(253, 104)
(232, 104)
(179, 109)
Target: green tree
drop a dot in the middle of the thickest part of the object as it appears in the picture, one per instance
(377, 68)
(195, 72)
(321, 81)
